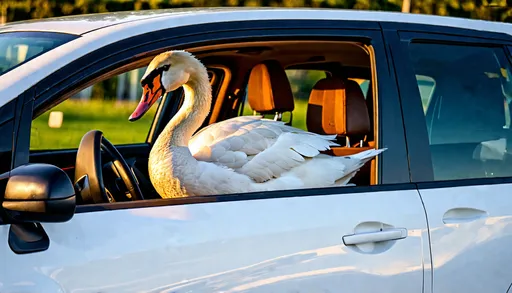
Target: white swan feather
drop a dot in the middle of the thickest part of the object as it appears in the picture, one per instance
(260, 148)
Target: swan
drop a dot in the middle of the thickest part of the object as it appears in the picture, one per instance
(237, 155)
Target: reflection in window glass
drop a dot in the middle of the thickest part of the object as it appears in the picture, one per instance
(426, 86)
(105, 106)
(17, 48)
(507, 91)
(464, 92)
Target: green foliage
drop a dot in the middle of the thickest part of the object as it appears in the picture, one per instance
(15, 10)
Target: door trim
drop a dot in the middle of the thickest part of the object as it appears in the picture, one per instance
(326, 191)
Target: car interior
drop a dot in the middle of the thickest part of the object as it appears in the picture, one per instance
(254, 75)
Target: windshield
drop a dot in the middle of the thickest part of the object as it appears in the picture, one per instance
(17, 48)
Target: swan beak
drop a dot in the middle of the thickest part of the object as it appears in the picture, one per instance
(149, 96)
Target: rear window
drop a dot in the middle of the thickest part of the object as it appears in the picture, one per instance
(17, 48)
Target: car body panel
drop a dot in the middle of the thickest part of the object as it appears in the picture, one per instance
(288, 244)
(470, 220)
(281, 241)
(19, 79)
(81, 24)
(471, 235)
(85, 23)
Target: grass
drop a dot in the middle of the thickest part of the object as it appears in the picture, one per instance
(81, 116)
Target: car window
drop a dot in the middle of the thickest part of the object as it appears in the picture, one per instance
(364, 84)
(302, 82)
(106, 106)
(17, 48)
(465, 92)
(426, 85)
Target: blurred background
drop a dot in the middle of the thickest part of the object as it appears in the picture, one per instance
(497, 10)
(107, 104)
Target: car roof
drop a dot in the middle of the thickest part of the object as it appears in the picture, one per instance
(99, 30)
(82, 24)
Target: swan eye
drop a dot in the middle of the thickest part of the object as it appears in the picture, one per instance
(166, 67)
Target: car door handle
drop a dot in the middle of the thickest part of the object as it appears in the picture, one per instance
(379, 236)
(463, 215)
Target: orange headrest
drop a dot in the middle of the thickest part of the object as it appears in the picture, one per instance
(269, 90)
(337, 106)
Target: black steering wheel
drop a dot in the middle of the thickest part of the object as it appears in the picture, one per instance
(89, 172)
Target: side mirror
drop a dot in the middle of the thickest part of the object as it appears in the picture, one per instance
(39, 193)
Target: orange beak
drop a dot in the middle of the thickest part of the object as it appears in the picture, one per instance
(151, 92)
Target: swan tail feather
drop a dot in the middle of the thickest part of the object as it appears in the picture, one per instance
(358, 160)
(367, 155)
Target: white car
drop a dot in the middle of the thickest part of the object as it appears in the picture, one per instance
(433, 213)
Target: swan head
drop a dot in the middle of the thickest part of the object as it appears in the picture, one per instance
(166, 72)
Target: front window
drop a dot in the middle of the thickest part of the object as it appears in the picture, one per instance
(106, 105)
(17, 48)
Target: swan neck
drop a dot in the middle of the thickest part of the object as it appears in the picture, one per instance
(191, 115)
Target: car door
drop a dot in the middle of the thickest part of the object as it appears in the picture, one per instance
(354, 239)
(455, 87)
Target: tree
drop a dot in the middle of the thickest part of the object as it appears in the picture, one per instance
(13, 10)
(9, 5)
(406, 6)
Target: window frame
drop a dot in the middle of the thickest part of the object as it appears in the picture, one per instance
(219, 90)
(8, 120)
(414, 118)
(392, 168)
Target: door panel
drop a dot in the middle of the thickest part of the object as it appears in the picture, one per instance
(268, 245)
(286, 244)
(471, 236)
(455, 91)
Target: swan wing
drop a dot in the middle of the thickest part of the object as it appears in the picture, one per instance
(290, 150)
(207, 135)
(212, 133)
(233, 142)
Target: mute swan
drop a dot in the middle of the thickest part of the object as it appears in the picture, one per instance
(241, 154)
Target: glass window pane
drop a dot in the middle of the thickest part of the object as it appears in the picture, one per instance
(17, 48)
(465, 92)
